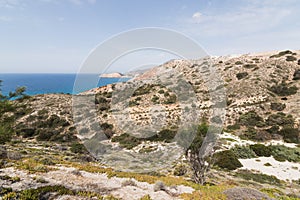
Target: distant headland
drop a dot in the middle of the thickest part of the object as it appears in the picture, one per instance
(113, 75)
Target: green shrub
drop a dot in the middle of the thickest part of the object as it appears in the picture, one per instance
(296, 75)
(282, 153)
(78, 148)
(283, 89)
(260, 178)
(278, 106)
(241, 75)
(106, 126)
(180, 170)
(261, 150)
(227, 160)
(282, 53)
(249, 66)
(290, 134)
(165, 135)
(44, 135)
(126, 140)
(171, 99)
(233, 127)
(161, 91)
(280, 119)
(202, 130)
(5, 134)
(36, 194)
(250, 118)
(145, 89)
(155, 99)
(291, 58)
(243, 152)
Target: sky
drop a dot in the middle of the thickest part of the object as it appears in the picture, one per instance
(56, 36)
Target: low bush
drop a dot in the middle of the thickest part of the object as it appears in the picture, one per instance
(171, 99)
(241, 75)
(260, 178)
(290, 134)
(180, 170)
(261, 150)
(249, 66)
(243, 152)
(250, 118)
(280, 119)
(126, 140)
(5, 134)
(283, 89)
(78, 148)
(165, 135)
(291, 58)
(296, 75)
(145, 89)
(278, 106)
(227, 160)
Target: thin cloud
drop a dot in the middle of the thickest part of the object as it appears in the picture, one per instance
(5, 19)
(196, 17)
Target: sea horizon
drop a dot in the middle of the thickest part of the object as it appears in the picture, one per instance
(51, 83)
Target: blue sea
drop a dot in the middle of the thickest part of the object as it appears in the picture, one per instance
(52, 83)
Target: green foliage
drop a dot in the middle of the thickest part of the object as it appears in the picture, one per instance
(291, 58)
(78, 148)
(260, 178)
(6, 106)
(283, 89)
(296, 75)
(107, 129)
(280, 119)
(290, 134)
(282, 153)
(202, 130)
(155, 99)
(146, 197)
(261, 150)
(180, 170)
(171, 99)
(145, 89)
(278, 106)
(241, 75)
(165, 135)
(250, 118)
(233, 127)
(227, 160)
(126, 140)
(243, 152)
(249, 66)
(5, 134)
(4, 191)
(282, 53)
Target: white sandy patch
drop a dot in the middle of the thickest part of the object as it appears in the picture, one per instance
(233, 140)
(282, 170)
(94, 182)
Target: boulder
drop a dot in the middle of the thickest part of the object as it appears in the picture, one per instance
(239, 193)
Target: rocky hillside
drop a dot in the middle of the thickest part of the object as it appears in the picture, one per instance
(61, 139)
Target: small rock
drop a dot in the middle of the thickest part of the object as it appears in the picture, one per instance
(3, 152)
(13, 155)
